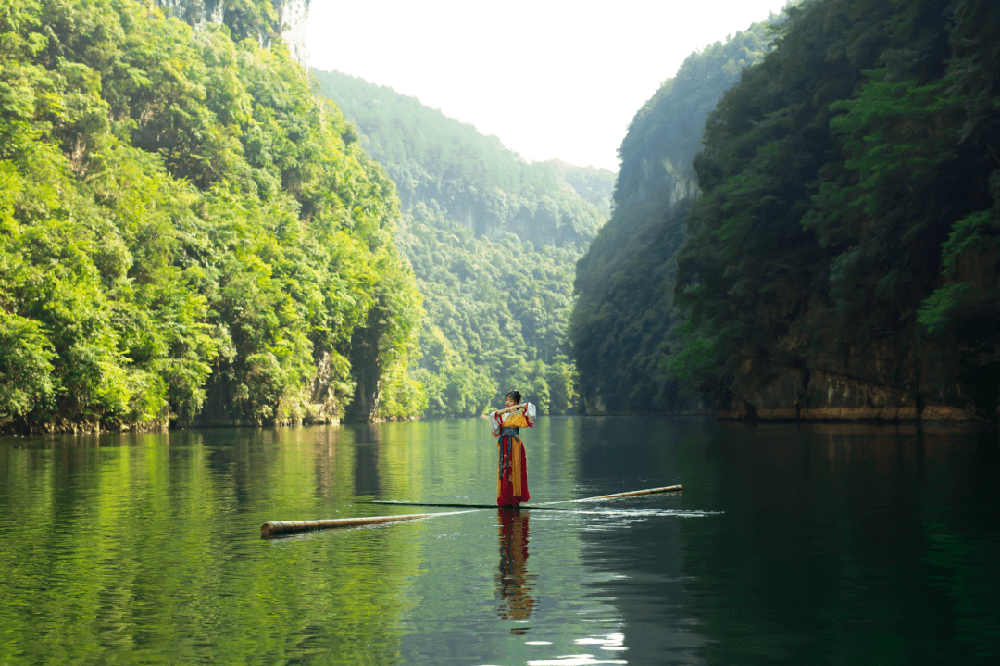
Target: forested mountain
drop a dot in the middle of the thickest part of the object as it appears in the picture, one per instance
(186, 231)
(841, 259)
(622, 323)
(472, 178)
(844, 252)
(492, 240)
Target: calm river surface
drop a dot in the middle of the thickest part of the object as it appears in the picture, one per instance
(812, 544)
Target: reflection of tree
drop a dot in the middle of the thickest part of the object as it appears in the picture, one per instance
(512, 579)
(128, 499)
(367, 442)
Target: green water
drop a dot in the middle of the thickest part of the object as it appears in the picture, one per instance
(822, 544)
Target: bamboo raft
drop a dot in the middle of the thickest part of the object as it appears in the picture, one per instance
(278, 527)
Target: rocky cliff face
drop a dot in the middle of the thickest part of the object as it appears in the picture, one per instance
(366, 366)
(195, 12)
(291, 20)
(293, 15)
(892, 379)
(623, 329)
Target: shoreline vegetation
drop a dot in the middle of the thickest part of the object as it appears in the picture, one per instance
(193, 235)
(937, 416)
(188, 233)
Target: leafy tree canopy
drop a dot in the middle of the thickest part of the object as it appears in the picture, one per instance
(851, 210)
(186, 231)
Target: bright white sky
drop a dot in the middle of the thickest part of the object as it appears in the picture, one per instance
(551, 78)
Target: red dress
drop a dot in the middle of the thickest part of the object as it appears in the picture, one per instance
(512, 466)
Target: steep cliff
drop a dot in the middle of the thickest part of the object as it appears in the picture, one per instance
(263, 19)
(843, 259)
(622, 324)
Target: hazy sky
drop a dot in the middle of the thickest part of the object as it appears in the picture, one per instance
(551, 78)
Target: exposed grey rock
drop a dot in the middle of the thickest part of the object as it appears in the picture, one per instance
(292, 16)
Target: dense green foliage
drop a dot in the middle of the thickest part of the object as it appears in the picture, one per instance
(473, 179)
(622, 324)
(851, 210)
(496, 317)
(186, 231)
(492, 241)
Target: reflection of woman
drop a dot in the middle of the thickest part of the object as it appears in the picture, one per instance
(513, 589)
(512, 467)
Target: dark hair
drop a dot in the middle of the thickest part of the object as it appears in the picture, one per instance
(514, 394)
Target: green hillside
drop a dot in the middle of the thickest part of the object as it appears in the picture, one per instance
(493, 242)
(187, 233)
(844, 251)
(831, 251)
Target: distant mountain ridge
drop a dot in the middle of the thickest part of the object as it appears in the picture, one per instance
(475, 179)
(493, 241)
(593, 185)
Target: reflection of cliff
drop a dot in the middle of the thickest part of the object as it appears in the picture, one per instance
(852, 525)
(513, 586)
(197, 480)
(367, 458)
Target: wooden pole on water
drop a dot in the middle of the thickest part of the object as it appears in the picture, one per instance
(276, 527)
(634, 493)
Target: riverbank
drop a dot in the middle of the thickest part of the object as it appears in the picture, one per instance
(930, 413)
(869, 414)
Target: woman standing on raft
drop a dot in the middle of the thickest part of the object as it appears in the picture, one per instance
(512, 468)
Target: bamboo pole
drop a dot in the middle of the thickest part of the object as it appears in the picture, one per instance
(543, 505)
(464, 506)
(634, 493)
(276, 527)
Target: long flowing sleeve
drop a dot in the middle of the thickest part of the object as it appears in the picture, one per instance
(496, 422)
(529, 414)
